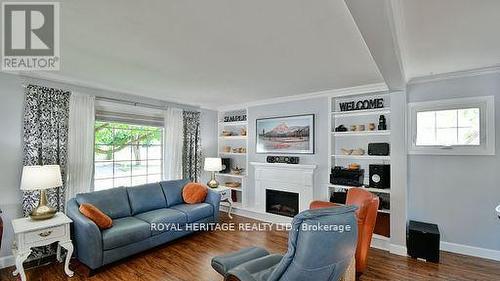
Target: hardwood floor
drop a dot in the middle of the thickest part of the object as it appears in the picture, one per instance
(188, 259)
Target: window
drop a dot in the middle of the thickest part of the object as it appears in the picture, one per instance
(453, 127)
(127, 154)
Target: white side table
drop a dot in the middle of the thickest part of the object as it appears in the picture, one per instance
(225, 196)
(32, 233)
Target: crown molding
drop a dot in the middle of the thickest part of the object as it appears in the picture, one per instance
(356, 90)
(455, 74)
(69, 82)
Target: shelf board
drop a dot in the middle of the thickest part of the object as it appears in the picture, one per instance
(233, 137)
(371, 189)
(362, 133)
(362, 157)
(235, 123)
(384, 211)
(230, 175)
(232, 153)
(232, 188)
(361, 112)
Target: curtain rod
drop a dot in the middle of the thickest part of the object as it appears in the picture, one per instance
(143, 104)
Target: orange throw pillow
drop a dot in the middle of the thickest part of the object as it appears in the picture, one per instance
(194, 193)
(102, 220)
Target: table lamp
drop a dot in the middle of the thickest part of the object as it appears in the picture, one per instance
(41, 178)
(213, 165)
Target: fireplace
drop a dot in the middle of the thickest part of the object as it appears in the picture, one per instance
(282, 202)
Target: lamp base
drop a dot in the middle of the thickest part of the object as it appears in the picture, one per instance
(213, 183)
(42, 212)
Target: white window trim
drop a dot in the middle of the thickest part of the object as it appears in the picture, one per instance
(487, 129)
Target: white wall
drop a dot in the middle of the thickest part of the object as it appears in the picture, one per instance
(317, 106)
(459, 193)
(11, 122)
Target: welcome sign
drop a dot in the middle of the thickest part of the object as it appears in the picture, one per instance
(362, 104)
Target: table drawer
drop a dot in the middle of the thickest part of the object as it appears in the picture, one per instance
(45, 234)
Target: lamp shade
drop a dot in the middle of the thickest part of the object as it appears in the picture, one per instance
(41, 177)
(213, 164)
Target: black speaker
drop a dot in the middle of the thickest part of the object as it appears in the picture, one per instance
(283, 159)
(422, 241)
(226, 165)
(380, 176)
(378, 149)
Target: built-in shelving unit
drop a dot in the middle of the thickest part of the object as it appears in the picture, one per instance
(340, 142)
(237, 140)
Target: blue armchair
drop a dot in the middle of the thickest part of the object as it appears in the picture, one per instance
(320, 247)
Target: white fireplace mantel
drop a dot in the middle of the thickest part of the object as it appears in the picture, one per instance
(297, 178)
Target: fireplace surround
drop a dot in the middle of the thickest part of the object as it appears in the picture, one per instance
(288, 178)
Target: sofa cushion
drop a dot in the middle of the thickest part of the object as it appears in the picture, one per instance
(169, 217)
(195, 212)
(146, 197)
(125, 231)
(173, 191)
(113, 202)
(194, 193)
(102, 220)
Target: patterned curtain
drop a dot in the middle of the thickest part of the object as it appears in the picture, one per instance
(191, 156)
(46, 116)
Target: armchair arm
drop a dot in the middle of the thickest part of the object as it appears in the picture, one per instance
(223, 264)
(87, 236)
(213, 198)
(245, 271)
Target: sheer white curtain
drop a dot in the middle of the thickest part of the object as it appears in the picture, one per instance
(80, 166)
(173, 142)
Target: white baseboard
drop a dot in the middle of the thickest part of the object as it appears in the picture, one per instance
(7, 261)
(398, 250)
(470, 251)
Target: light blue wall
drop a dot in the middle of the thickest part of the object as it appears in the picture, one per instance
(317, 106)
(11, 122)
(459, 193)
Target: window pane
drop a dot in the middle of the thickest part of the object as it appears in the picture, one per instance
(154, 166)
(139, 168)
(103, 170)
(154, 152)
(139, 180)
(103, 133)
(126, 154)
(122, 181)
(468, 136)
(154, 178)
(103, 152)
(103, 184)
(122, 169)
(446, 136)
(446, 118)
(449, 127)
(123, 153)
(468, 118)
(426, 128)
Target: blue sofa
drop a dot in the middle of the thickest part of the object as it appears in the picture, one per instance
(133, 210)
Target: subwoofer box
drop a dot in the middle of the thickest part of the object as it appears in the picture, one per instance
(422, 241)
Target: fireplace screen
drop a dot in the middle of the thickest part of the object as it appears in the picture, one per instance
(282, 203)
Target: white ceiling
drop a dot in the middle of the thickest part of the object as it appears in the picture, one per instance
(216, 52)
(440, 36)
